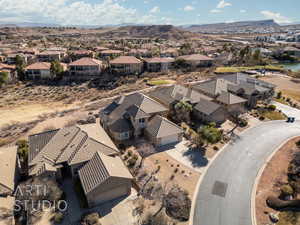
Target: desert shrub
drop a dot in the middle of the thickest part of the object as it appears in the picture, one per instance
(129, 153)
(272, 107)
(262, 118)
(286, 190)
(178, 204)
(135, 157)
(216, 148)
(58, 217)
(131, 162)
(91, 219)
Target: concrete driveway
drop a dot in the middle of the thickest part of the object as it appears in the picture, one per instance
(224, 196)
(288, 110)
(187, 156)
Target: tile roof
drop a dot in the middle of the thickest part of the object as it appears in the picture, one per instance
(86, 61)
(213, 87)
(126, 60)
(207, 107)
(39, 66)
(73, 145)
(99, 169)
(230, 99)
(161, 127)
(159, 60)
(195, 57)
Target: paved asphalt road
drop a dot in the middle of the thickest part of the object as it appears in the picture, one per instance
(225, 191)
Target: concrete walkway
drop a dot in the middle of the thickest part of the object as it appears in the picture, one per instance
(287, 110)
(187, 156)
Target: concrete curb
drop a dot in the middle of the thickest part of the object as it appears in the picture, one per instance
(257, 179)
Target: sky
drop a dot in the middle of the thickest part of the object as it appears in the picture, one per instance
(176, 12)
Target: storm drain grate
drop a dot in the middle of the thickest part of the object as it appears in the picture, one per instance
(220, 189)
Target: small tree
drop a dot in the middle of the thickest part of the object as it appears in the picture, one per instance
(3, 78)
(182, 111)
(279, 95)
(56, 69)
(210, 134)
(20, 67)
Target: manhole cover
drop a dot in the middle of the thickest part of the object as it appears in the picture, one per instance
(220, 189)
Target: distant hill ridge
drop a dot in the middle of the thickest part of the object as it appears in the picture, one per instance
(235, 26)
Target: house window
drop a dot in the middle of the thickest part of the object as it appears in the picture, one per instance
(142, 120)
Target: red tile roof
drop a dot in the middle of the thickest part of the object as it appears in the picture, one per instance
(39, 66)
(159, 60)
(195, 57)
(86, 62)
(126, 60)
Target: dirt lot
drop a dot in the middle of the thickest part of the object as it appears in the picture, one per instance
(184, 177)
(289, 86)
(273, 176)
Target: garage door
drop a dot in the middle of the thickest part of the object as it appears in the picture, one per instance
(169, 140)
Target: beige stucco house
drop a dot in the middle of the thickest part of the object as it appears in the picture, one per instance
(197, 60)
(85, 69)
(126, 65)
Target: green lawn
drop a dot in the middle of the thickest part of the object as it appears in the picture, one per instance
(232, 69)
(160, 82)
(273, 115)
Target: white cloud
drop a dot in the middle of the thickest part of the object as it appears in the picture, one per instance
(188, 8)
(155, 9)
(73, 12)
(215, 11)
(277, 17)
(222, 4)
(243, 11)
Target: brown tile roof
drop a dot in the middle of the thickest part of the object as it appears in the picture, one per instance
(159, 60)
(86, 61)
(99, 169)
(230, 99)
(207, 107)
(161, 127)
(109, 51)
(6, 67)
(39, 66)
(195, 57)
(126, 60)
(73, 145)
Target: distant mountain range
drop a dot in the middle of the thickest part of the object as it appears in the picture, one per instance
(234, 26)
(192, 27)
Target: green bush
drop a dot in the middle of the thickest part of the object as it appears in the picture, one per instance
(272, 107)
